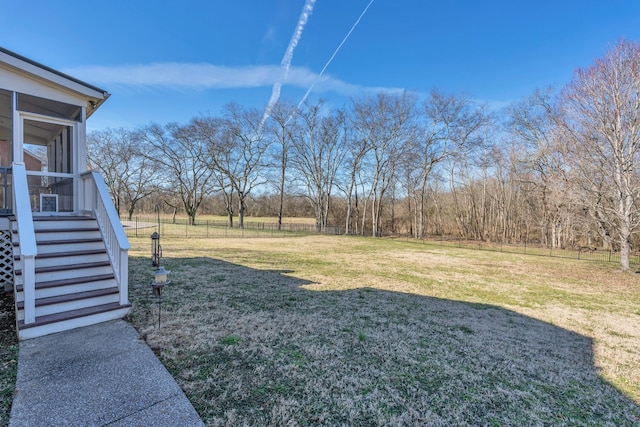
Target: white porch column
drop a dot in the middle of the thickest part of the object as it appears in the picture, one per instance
(80, 161)
(17, 135)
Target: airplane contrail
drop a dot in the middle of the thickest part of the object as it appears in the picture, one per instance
(304, 98)
(288, 56)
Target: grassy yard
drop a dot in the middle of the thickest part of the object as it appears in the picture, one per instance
(323, 330)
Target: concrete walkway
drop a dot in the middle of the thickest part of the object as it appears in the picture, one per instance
(96, 376)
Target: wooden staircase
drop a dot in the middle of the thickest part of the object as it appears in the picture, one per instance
(75, 283)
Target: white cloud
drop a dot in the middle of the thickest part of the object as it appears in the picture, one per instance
(191, 76)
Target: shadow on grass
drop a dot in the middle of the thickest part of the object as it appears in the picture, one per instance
(257, 347)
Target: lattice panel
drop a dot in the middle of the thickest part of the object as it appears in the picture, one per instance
(6, 257)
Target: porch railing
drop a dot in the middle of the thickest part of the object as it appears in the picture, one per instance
(27, 236)
(96, 201)
(5, 191)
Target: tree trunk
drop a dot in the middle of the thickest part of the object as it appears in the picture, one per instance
(241, 209)
(625, 206)
(130, 211)
(347, 221)
(282, 178)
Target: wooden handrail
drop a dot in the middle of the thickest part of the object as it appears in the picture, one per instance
(103, 195)
(96, 200)
(27, 237)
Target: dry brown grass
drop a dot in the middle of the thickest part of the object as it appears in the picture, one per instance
(8, 356)
(349, 331)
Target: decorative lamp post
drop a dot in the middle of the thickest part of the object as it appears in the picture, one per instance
(159, 280)
(156, 249)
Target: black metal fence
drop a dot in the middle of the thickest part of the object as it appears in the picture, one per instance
(580, 253)
(179, 228)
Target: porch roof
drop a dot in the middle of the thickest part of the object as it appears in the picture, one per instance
(95, 96)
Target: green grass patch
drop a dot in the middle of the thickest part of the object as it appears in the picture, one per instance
(323, 330)
(230, 340)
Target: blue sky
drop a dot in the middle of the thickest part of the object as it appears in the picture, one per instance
(168, 61)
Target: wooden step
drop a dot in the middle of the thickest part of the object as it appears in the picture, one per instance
(69, 282)
(63, 218)
(57, 268)
(66, 241)
(56, 303)
(75, 284)
(66, 230)
(59, 299)
(71, 253)
(55, 246)
(64, 272)
(72, 259)
(66, 254)
(78, 322)
(43, 237)
(68, 286)
(62, 230)
(73, 314)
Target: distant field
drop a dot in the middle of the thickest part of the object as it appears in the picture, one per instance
(334, 330)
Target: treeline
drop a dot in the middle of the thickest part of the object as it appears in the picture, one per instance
(558, 168)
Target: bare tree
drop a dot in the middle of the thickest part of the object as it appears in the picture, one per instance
(103, 154)
(386, 123)
(532, 124)
(449, 125)
(283, 124)
(129, 175)
(601, 134)
(318, 155)
(224, 183)
(357, 150)
(183, 156)
(236, 149)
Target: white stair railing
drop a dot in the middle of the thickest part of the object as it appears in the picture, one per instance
(96, 201)
(27, 238)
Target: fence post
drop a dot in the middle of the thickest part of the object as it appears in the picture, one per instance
(609, 255)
